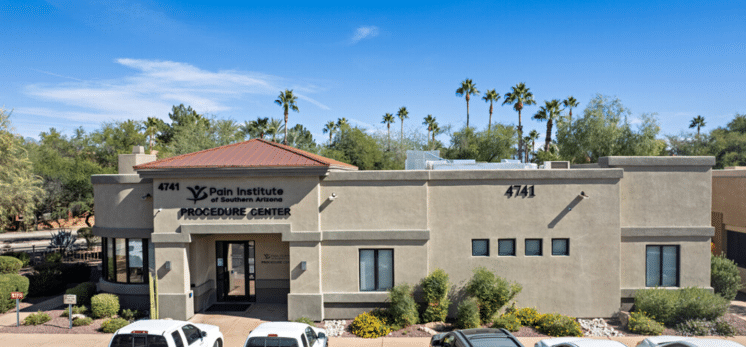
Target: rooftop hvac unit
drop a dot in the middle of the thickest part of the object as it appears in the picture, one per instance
(557, 165)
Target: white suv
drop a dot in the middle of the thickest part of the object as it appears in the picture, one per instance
(167, 333)
(286, 334)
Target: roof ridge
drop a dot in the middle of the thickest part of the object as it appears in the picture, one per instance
(169, 159)
(295, 150)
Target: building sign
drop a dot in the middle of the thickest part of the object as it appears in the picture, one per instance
(70, 299)
(234, 212)
(16, 295)
(270, 258)
(516, 191)
(228, 195)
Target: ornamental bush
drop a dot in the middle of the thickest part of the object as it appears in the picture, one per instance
(129, 315)
(36, 318)
(468, 314)
(657, 304)
(402, 309)
(11, 283)
(702, 327)
(79, 309)
(528, 316)
(104, 305)
(724, 277)
(670, 307)
(507, 321)
(492, 292)
(10, 265)
(554, 324)
(435, 291)
(84, 292)
(113, 324)
(305, 320)
(640, 323)
(24, 257)
(82, 321)
(368, 326)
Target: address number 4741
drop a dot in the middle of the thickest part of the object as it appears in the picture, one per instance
(518, 190)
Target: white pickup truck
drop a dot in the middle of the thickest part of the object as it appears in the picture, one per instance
(167, 333)
(287, 334)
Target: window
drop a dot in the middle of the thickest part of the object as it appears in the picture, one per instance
(311, 336)
(533, 247)
(560, 246)
(736, 248)
(126, 260)
(191, 333)
(662, 266)
(177, 339)
(506, 247)
(480, 248)
(376, 269)
(129, 340)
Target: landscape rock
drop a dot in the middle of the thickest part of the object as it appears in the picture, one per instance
(598, 328)
(437, 326)
(428, 330)
(624, 318)
(334, 328)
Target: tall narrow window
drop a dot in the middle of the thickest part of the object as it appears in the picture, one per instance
(376, 269)
(662, 266)
(109, 260)
(120, 246)
(480, 248)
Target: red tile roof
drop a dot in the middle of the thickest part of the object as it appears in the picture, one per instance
(255, 153)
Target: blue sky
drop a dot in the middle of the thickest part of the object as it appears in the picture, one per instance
(66, 64)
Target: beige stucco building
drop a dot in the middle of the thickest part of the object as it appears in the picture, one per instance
(262, 222)
(729, 215)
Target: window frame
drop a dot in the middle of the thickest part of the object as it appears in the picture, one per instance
(376, 285)
(660, 277)
(487, 241)
(541, 247)
(513, 254)
(178, 340)
(112, 278)
(189, 340)
(567, 247)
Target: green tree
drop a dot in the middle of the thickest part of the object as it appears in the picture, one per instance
(330, 127)
(402, 114)
(519, 96)
(113, 139)
(429, 121)
(287, 100)
(483, 146)
(533, 136)
(342, 123)
(255, 129)
(20, 188)
(468, 88)
(570, 103)
(491, 96)
(728, 144)
(549, 112)
(275, 127)
(301, 138)
(604, 130)
(180, 116)
(388, 118)
(697, 122)
(353, 146)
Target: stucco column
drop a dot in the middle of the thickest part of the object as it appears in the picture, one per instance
(172, 267)
(305, 298)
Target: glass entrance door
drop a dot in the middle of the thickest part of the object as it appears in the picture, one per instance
(235, 270)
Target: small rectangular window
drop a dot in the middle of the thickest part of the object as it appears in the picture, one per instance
(480, 248)
(662, 266)
(533, 247)
(560, 247)
(506, 247)
(376, 269)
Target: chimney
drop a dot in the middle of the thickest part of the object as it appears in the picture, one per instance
(138, 156)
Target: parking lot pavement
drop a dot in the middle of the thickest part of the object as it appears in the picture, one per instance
(55, 340)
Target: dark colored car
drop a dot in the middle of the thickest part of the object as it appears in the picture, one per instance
(475, 338)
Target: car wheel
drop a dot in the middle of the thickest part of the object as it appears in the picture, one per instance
(217, 344)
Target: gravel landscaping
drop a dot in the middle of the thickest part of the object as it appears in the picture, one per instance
(58, 325)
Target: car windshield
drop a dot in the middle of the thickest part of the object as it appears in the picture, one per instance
(138, 340)
(492, 342)
(272, 342)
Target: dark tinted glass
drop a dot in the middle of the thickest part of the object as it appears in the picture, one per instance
(533, 247)
(271, 342)
(506, 247)
(177, 339)
(129, 340)
(560, 247)
(480, 248)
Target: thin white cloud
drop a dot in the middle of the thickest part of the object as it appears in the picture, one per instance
(363, 33)
(153, 89)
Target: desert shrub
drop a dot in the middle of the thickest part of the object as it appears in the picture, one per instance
(36, 318)
(81, 309)
(368, 326)
(468, 314)
(10, 265)
(82, 321)
(435, 291)
(402, 309)
(84, 291)
(53, 258)
(702, 327)
(113, 324)
(554, 324)
(90, 239)
(674, 306)
(305, 320)
(492, 292)
(724, 277)
(527, 316)
(507, 321)
(129, 315)
(11, 283)
(640, 323)
(104, 305)
(24, 257)
(76, 272)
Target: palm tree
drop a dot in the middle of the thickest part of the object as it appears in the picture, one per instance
(402, 114)
(436, 131)
(152, 126)
(467, 88)
(255, 128)
(570, 102)
(533, 135)
(342, 123)
(526, 142)
(549, 112)
(330, 127)
(286, 100)
(429, 121)
(388, 118)
(518, 96)
(698, 122)
(490, 97)
(275, 127)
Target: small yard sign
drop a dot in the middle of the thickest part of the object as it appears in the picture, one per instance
(16, 295)
(70, 299)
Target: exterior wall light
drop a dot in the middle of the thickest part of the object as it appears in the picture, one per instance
(146, 196)
(303, 265)
(332, 197)
(582, 195)
(167, 265)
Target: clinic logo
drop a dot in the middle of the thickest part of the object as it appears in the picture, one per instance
(198, 193)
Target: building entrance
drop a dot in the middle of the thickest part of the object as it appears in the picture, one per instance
(235, 270)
